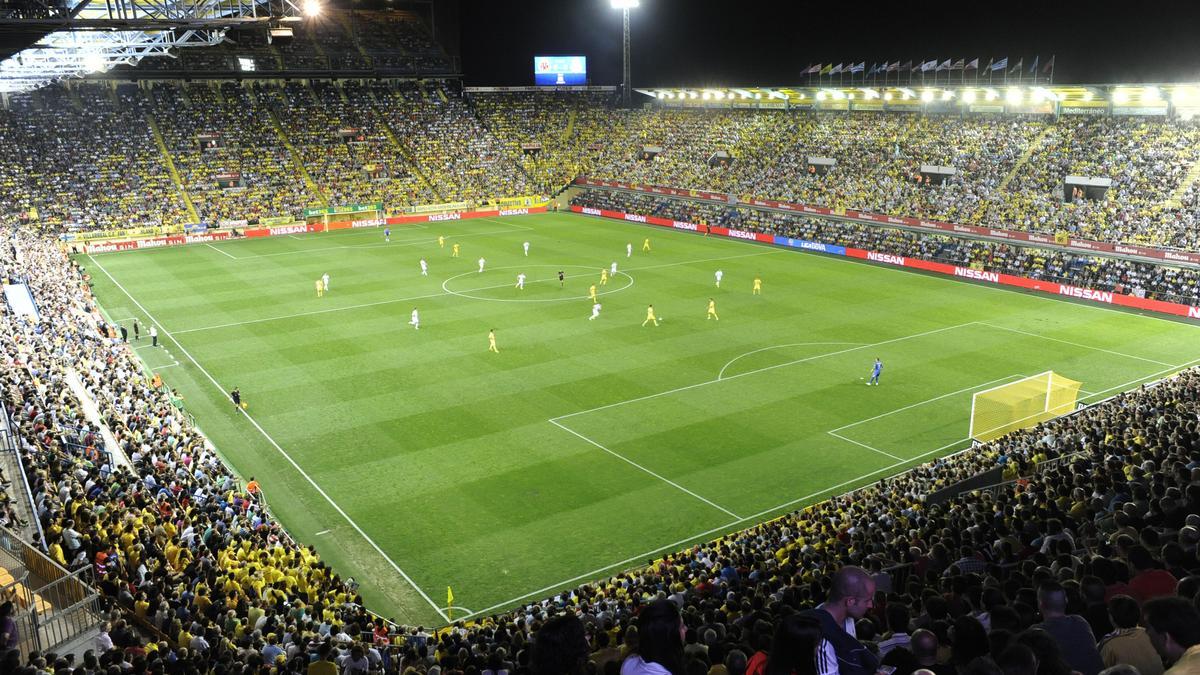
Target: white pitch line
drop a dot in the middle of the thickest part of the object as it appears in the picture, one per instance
(864, 445)
(766, 368)
(221, 252)
(1073, 344)
(1143, 379)
(283, 452)
(721, 374)
(641, 557)
(292, 236)
(422, 297)
(316, 311)
(317, 534)
(639, 466)
(399, 243)
(929, 400)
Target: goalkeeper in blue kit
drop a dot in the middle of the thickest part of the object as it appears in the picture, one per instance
(876, 370)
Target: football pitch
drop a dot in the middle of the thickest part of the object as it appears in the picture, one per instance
(416, 460)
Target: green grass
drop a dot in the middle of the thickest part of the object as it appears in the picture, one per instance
(583, 447)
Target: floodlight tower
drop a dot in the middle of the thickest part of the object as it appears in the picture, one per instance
(625, 6)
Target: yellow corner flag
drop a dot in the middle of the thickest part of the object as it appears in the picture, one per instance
(449, 601)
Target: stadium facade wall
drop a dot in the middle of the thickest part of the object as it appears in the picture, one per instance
(1072, 243)
(997, 278)
(300, 228)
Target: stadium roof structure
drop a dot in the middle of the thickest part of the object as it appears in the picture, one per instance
(976, 97)
(44, 41)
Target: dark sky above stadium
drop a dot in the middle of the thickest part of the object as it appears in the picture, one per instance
(703, 42)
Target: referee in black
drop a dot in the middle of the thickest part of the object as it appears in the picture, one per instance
(236, 395)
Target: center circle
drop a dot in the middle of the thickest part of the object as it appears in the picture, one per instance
(468, 293)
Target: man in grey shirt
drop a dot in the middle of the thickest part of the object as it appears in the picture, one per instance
(1071, 631)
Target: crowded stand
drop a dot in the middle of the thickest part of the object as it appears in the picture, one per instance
(234, 169)
(554, 133)
(1082, 555)
(1157, 282)
(1094, 531)
(459, 158)
(84, 166)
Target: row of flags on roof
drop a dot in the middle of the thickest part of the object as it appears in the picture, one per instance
(992, 67)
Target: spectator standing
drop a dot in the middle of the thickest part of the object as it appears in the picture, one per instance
(794, 649)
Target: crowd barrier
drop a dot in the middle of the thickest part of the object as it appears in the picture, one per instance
(1068, 242)
(301, 228)
(998, 278)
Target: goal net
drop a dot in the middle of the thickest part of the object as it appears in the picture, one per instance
(1021, 404)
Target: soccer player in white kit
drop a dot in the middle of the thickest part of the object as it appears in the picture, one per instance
(424, 268)
(521, 281)
(325, 281)
(612, 270)
(595, 311)
(628, 250)
(526, 246)
(719, 275)
(415, 321)
(481, 261)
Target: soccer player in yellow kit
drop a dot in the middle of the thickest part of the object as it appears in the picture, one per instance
(454, 251)
(646, 245)
(592, 292)
(650, 316)
(320, 289)
(712, 310)
(603, 277)
(757, 286)
(441, 241)
(492, 341)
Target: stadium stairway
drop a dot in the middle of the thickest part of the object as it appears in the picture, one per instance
(412, 161)
(287, 143)
(1024, 158)
(1175, 200)
(344, 19)
(170, 164)
(570, 124)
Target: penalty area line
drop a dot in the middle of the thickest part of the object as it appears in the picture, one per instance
(623, 458)
(276, 445)
(592, 574)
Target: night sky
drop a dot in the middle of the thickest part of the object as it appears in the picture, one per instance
(702, 42)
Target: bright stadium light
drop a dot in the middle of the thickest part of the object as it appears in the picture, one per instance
(1088, 95)
(1120, 97)
(312, 8)
(820, 96)
(1013, 97)
(94, 63)
(625, 4)
(887, 95)
(991, 94)
(927, 95)
(707, 96)
(757, 96)
(1183, 95)
(721, 95)
(947, 94)
(968, 96)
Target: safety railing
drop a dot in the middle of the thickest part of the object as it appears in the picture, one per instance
(55, 605)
